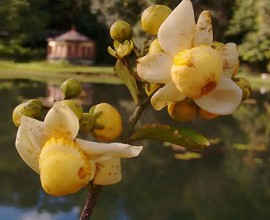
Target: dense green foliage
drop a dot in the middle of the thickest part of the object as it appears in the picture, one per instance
(250, 24)
(25, 24)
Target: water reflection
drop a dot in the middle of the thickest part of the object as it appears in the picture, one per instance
(225, 184)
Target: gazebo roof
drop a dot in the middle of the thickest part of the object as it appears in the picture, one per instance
(71, 35)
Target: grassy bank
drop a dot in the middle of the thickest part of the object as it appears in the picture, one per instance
(56, 73)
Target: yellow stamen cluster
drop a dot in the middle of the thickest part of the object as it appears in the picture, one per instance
(197, 71)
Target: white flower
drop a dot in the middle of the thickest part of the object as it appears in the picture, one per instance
(66, 163)
(190, 66)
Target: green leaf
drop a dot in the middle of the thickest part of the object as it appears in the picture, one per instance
(123, 72)
(180, 136)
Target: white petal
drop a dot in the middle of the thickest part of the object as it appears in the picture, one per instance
(177, 31)
(230, 58)
(26, 150)
(155, 68)
(35, 130)
(223, 100)
(61, 121)
(165, 95)
(203, 31)
(104, 151)
(31, 137)
(108, 172)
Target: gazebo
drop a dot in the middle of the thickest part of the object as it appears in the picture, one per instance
(73, 47)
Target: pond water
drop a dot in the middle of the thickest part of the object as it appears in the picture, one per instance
(231, 180)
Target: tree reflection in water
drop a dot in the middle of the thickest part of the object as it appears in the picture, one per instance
(225, 184)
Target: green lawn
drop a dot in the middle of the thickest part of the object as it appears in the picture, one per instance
(57, 73)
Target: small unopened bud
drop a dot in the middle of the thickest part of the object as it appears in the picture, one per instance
(183, 111)
(32, 108)
(121, 31)
(244, 84)
(17, 114)
(207, 115)
(153, 17)
(108, 126)
(75, 107)
(71, 88)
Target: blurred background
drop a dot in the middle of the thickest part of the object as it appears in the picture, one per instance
(26, 24)
(229, 180)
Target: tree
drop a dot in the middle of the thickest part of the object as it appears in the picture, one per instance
(24, 25)
(250, 24)
(28, 23)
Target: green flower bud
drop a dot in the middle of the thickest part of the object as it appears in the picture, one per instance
(71, 88)
(153, 17)
(244, 84)
(87, 122)
(75, 107)
(121, 31)
(17, 114)
(32, 108)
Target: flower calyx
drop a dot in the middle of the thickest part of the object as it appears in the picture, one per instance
(121, 50)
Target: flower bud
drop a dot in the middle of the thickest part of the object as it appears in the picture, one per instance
(108, 123)
(17, 114)
(155, 47)
(153, 17)
(75, 107)
(183, 111)
(32, 108)
(71, 88)
(244, 84)
(121, 31)
(207, 115)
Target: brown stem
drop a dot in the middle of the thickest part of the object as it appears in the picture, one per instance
(96, 189)
(90, 202)
(134, 119)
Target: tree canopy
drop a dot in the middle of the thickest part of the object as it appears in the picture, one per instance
(250, 26)
(25, 24)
